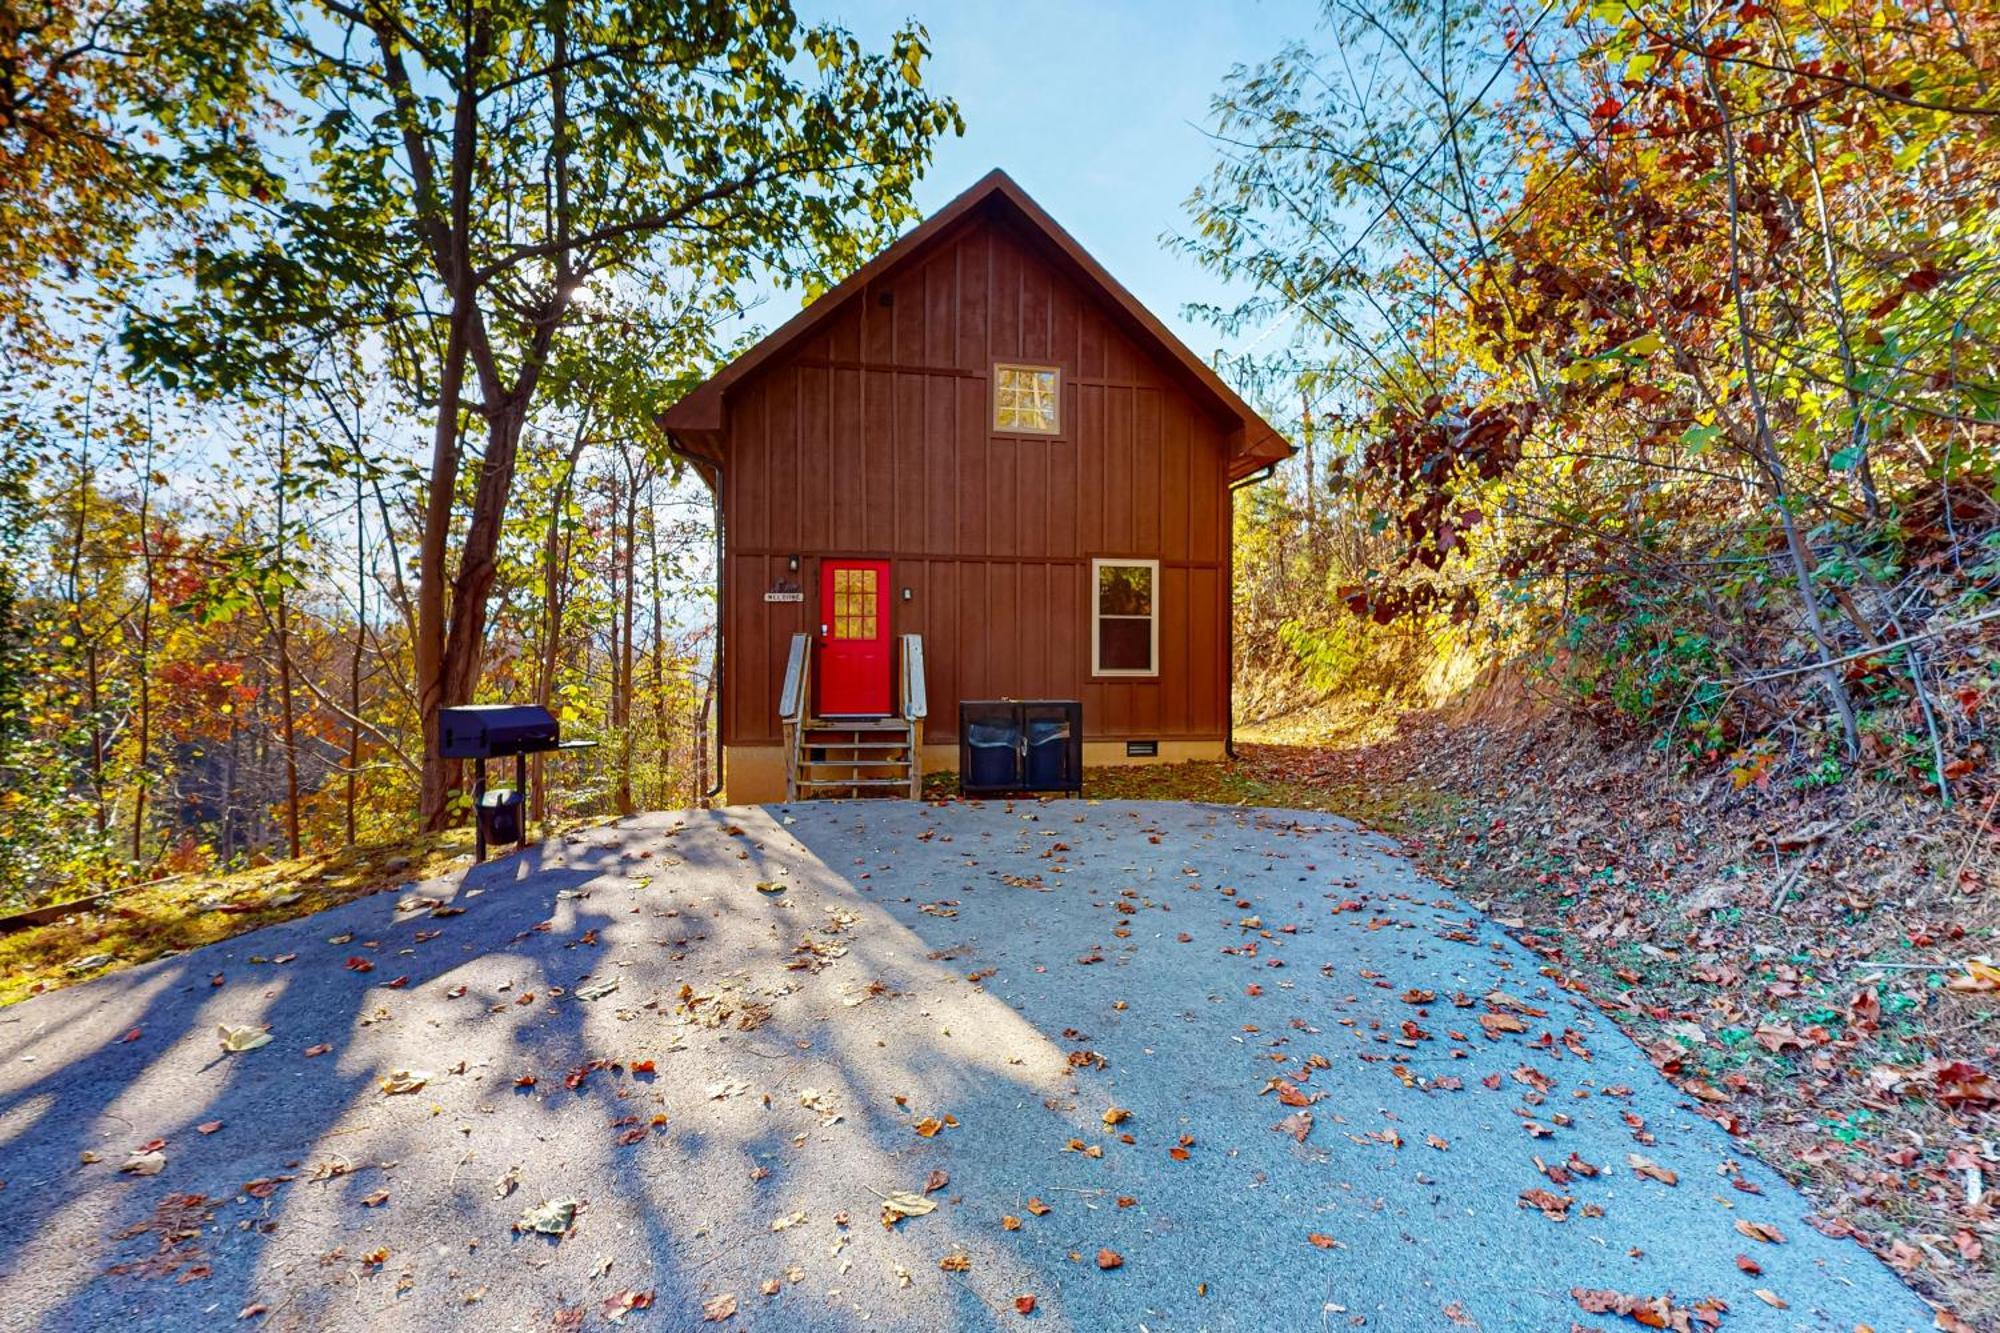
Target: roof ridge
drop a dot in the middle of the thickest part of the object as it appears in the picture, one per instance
(702, 409)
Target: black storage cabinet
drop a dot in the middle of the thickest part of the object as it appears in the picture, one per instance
(1020, 745)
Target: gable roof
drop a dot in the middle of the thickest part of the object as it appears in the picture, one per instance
(1258, 444)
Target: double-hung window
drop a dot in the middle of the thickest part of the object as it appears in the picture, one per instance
(1125, 617)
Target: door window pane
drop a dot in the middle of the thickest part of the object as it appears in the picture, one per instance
(855, 604)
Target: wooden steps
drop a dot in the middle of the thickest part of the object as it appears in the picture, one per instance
(852, 756)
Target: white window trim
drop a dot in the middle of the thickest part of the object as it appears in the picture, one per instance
(1097, 617)
(993, 413)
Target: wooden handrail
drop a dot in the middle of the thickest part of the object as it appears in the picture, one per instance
(792, 696)
(915, 705)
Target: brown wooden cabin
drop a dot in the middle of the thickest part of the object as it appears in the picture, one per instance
(976, 469)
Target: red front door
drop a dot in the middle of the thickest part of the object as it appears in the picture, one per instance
(853, 666)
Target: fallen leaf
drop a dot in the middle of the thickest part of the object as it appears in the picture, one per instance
(145, 1163)
(1704, 1090)
(1652, 1170)
(621, 1303)
(1108, 1259)
(719, 1308)
(1321, 1239)
(404, 1081)
(904, 1204)
(957, 1262)
(1036, 1206)
(237, 1040)
(553, 1217)
(1553, 1206)
(1024, 1305)
(1763, 1231)
(209, 1127)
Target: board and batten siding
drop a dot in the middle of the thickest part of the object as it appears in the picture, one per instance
(873, 437)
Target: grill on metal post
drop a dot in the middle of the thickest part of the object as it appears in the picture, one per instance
(494, 731)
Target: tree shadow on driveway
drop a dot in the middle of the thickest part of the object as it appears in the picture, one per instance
(1193, 1038)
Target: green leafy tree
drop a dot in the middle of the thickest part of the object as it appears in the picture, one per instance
(472, 166)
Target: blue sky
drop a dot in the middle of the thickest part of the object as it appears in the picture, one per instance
(1097, 109)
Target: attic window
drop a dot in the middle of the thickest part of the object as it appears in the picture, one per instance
(1026, 400)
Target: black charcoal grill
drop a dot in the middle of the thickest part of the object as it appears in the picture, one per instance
(495, 731)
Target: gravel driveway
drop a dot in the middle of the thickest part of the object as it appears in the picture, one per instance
(1158, 1066)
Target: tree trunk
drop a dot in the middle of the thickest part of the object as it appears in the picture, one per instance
(622, 680)
(1766, 451)
(662, 733)
(555, 596)
(431, 647)
(360, 639)
(144, 670)
(288, 721)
